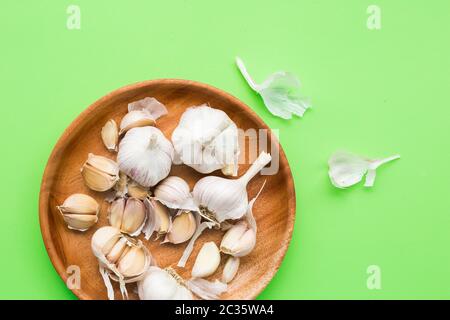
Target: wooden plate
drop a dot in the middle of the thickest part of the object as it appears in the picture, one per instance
(274, 210)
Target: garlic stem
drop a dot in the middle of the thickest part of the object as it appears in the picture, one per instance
(244, 72)
(262, 160)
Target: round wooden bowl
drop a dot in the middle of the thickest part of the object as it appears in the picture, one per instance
(274, 210)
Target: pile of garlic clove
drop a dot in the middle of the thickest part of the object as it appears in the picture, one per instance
(143, 199)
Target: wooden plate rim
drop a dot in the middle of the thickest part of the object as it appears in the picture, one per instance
(44, 196)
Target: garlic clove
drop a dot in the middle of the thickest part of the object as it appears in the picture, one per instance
(207, 261)
(175, 193)
(80, 222)
(121, 186)
(182, 229)
(104, 240)
(79, 211)
(110, 135)
(239, 240)
(116, 212)
(230, 269)
(134, 216)
(135, 119)
(133, 263)
(117, 250)
(137, 191)
(100, 173)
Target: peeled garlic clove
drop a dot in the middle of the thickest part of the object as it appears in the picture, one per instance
(239, 240)
(175, 193)
(207, 261)
(221, 199)
(137, 191)
(230, 269)
(104, 240)
(79, 211)
(110, 135)
(182, 229)
(142, 113)
(145, 155)
(206, 139)
(132, 263)
(100, 173)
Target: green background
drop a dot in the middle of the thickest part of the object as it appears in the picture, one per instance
(374, 92)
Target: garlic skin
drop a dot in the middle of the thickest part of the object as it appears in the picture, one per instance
(182, 229)
(121, 258)
(174, 193)
(110, 135)
(280, 92)
(145, 155)
(163, 284)
(128, 215)
(142, 113)
(239, 240)
(230, 269)
(221, 199)
(347, 169)
(206, 139)
(100, 173)
(79, 211)
(137, 191)
(207, 261)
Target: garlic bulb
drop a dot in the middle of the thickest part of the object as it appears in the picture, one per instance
(163, 284)
(158, 219)
(110, 135)
(347, 169)
(230, 269)
(142, 113)
(206, 139)
(207, 262)
(79, 211)
(128, 215)
(280, 92)
(121, 258)
(166, 284)
(145, 155)
(100, 173)
(182, 229)
(220, 199)
(174, 193)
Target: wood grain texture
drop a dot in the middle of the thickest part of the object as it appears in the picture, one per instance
(274, 210)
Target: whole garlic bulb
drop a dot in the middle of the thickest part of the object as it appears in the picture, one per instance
(145, 155)
(163, 284)
(100, 173)
(79, 211)
(206, 139)
(166, 284)
(220, 199)
(121, 258)
(142, 113)
(175, 193)
(128, 215)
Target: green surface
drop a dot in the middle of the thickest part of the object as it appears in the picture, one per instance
(374, 92)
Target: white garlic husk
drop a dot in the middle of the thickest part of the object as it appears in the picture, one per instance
(120, 258)
(280, 92)
(174, 193)
(145, 155)
(221, 199)
(206, 139)
(142, 113)
(100, 173)
(79, 211)
(166, 284)
(128, 215)
(347, 169)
